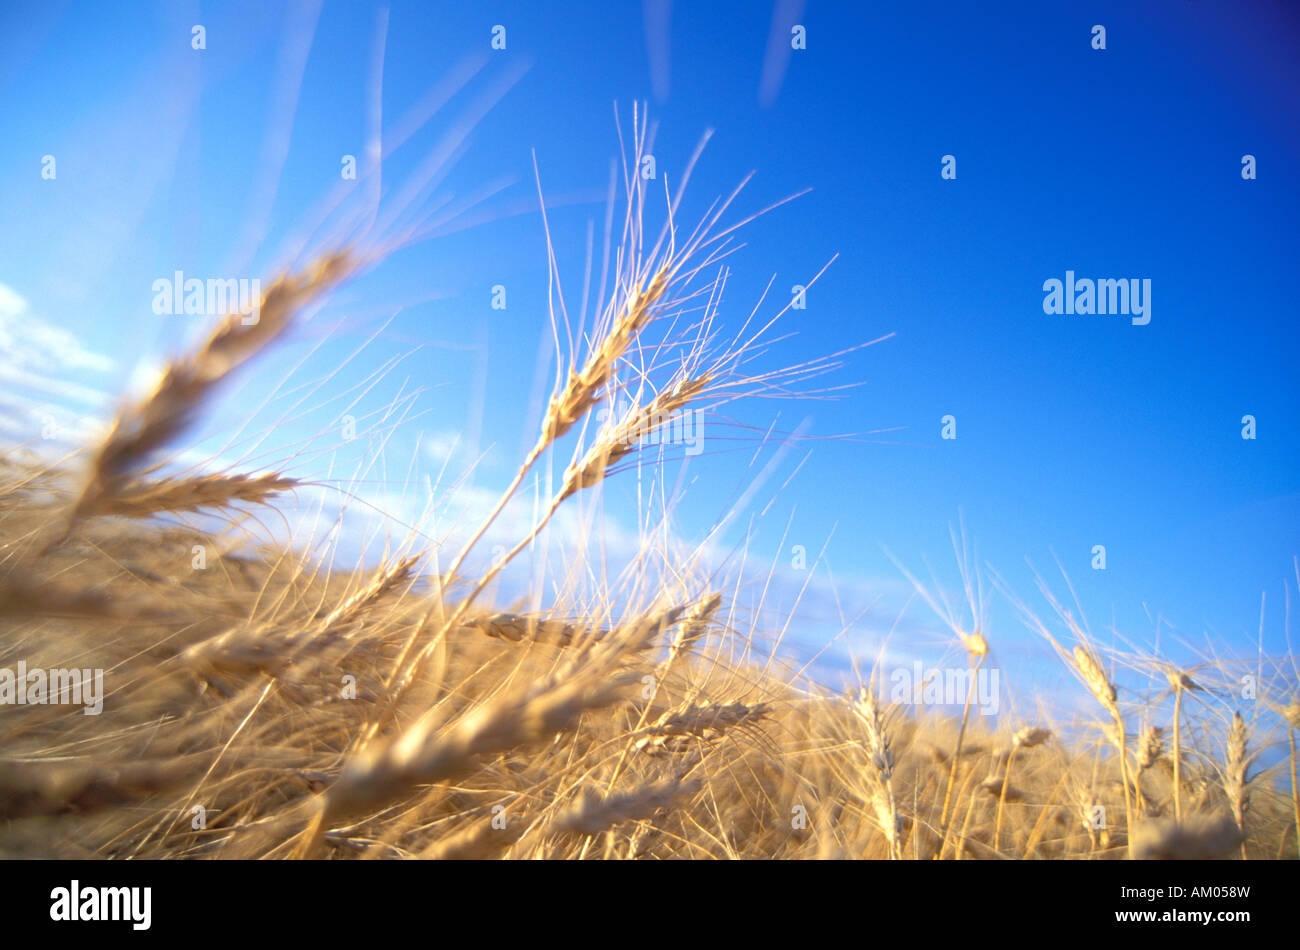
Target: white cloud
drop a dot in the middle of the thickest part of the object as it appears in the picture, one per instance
(43, 389)
(442, 446)
(32, 343)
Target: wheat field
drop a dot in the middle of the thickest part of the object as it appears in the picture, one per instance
(259, 703)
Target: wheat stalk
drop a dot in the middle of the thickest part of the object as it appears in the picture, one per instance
(481, 840)
(1088, 805)
(516, 628)
(676, 730)
(433, 750)
(1236, 783)
(1179, 682)
(23, 594)
(141, 499)
(881, 777)
(1094, 677)
(695, 623)
(261, 648)
(384, 582)
(1027, 737)
(617, 442)
(185, 383)
(30, 789)
(977, 648)
(594, 813)
(1150, 750)
(1292, 715)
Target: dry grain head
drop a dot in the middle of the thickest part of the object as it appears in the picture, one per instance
(1094, 677)
(586, 386)
(1029, 736)
(594, 813)
(161, 414)
(678, 731)
(1236, 784)
(1151, 746)
(994, 784)
(975, 643)
(1292, 713)
(1178, 680)
(141, 498)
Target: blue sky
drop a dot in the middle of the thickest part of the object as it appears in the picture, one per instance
(1072, 430)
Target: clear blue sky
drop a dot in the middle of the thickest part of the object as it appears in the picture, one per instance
(1072, 431)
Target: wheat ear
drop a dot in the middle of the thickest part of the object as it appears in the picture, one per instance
(432, 750)
(881, 777)
(595, 813)
(169, 407)
(1236, 783)
(142, 498)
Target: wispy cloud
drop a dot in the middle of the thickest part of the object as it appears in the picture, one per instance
(658, 15)
(43, 370)
(442, 446)
(785, 14)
